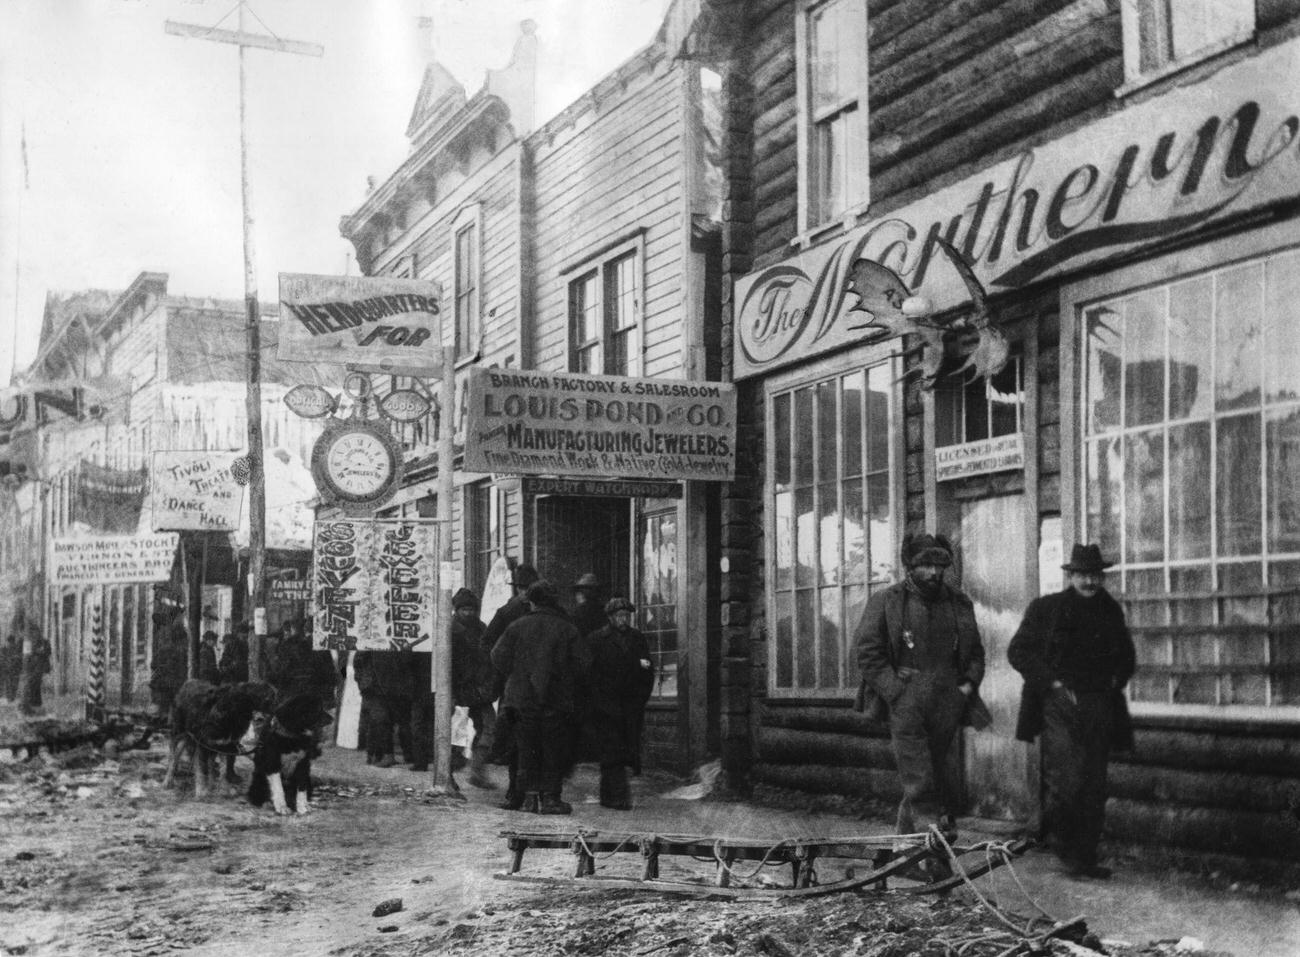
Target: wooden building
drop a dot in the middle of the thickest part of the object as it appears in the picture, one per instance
(586, 244)
(1124, 180)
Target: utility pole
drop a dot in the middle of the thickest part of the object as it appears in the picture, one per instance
(253, 395)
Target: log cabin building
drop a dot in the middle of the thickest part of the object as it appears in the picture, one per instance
(586, 244)
(1124, 180)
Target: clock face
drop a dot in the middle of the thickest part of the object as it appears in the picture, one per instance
(356, 463)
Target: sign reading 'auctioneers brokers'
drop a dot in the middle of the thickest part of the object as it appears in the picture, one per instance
(112, 561)
(558, 423)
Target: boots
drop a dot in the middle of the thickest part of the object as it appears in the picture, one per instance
(551, 804)
(532, 803)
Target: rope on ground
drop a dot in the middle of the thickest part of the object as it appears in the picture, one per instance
(761, 864)
(637, 839)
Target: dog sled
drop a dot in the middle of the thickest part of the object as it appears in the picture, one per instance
(744, 869)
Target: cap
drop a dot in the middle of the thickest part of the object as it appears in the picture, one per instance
(464, 598)
(618, 604)
(540, 592)
(926, 549)
(523, 576)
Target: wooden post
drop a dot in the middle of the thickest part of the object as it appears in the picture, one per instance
(253, 332)
(443, 782)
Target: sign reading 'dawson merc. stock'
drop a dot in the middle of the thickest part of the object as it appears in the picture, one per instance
(112, 561)
(557, 423)
(195, 490)
(375, 584)
(360, 319)
(1144, 174)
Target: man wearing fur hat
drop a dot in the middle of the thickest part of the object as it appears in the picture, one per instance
(540, 657)
(620, 679)
(1076, 655)
(922, 661)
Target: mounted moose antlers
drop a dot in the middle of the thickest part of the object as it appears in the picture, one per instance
(892, 308)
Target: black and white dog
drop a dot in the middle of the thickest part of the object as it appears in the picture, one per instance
(283, 744)
(208, 720)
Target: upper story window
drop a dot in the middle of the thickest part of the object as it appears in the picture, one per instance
(982, 407)
(834, 166)
(467, 280)
(605, 307)
(1163, 35)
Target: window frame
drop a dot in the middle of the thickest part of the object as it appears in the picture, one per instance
(809, 121)
(953, 395)
(467, 336)
(602, 268)
(859, 360)
(1131, 28)
(646, 512)
(1213, 256)
(479, 542)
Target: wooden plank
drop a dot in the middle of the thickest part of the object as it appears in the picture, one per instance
(789, 746)
(1247, 792)
(242, 38)
(910, 27)
(1001, 132)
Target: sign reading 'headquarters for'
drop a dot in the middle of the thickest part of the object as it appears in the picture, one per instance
(557, 423)
(360, 319)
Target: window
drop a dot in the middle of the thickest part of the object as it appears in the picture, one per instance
(605, 314)
(834, 167)
(831, 522)
(1191, 452)
(482, 533)
(467, 280)
(1162, 35)
(981, 408)
(657, 607)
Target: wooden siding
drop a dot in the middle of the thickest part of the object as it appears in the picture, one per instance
(613, 174)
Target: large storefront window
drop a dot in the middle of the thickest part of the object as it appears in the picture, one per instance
(831, 526)
(658, 600)
(1191, 478)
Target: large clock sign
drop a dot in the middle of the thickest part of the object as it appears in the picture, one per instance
(356, 465)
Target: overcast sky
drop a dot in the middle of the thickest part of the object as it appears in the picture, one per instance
(132, 135)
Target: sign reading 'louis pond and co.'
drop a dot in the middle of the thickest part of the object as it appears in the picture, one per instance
(558, 423)
(1167, 166)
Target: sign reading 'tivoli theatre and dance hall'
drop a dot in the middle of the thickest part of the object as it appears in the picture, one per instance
(559, 423)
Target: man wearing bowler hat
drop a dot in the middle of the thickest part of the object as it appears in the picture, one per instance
(1076, 655)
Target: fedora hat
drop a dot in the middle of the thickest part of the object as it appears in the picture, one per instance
(1086, 558)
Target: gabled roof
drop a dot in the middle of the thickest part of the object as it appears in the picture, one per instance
(441, 94)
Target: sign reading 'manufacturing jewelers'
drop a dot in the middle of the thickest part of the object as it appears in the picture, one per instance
(558, 423)
(1160, 168)
(998, 454)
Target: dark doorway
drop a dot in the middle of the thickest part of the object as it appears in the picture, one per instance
(580, 535)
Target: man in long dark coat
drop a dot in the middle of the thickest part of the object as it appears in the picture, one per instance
(620, 679)
(1076, 655)
(503, 738)
(539, 656)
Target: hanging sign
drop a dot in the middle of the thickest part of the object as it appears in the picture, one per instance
(360, 319)
(196, 490)
(375, 584)
(540, 423)
(405, 405)
(113, 560)
(596, 488)
(310, 401)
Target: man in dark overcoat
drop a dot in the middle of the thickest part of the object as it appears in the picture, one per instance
(1076, 655)
(922, 662)
(620, 679)
(588, 614)
(170, 664)
(503, 739)
(232, 666)
(540, 657)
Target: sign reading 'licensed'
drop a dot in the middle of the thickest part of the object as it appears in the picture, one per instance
(555, 423)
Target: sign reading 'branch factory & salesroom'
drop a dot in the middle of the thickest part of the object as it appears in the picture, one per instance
(543, 423)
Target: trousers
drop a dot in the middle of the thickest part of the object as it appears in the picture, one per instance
(541, 736)
(1075, 753)
(923, 725)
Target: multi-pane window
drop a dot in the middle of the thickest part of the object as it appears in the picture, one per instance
(830, 501)
(605, 316)
(467, 292)
(482, 533)
(1161, 34)
(657, 608)
(984, 407)
(832, 46)
(1191, 426)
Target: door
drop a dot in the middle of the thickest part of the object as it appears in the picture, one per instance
(995, 576)
(580, 535)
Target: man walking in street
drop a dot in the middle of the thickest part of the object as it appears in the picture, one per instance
(503, 742)
(1076, 655)
(539, 657)
(620, 679)
(922, 661)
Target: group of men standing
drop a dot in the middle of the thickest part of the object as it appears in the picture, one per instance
(21, 675)
(922, 661)
(569, 684)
